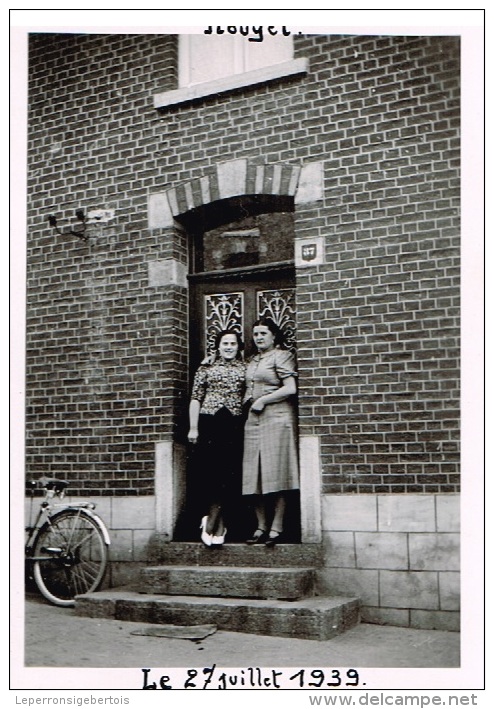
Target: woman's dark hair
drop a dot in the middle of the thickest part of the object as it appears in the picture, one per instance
(279, 338)
(222, 333)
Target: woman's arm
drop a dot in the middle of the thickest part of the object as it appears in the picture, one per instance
(194, 408)
(288, 388)
(196, 398)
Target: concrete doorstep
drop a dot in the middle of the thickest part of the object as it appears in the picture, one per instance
(315, 618)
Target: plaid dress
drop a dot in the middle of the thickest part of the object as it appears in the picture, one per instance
(270, 460)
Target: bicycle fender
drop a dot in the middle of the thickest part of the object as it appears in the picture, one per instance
(97, 519)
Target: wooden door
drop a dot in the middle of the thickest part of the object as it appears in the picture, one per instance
(220, 302)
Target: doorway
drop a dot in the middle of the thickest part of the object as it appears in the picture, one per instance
(241, 256)
(234, 299)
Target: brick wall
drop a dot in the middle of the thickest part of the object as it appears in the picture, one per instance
(378, 322)
(105, 377)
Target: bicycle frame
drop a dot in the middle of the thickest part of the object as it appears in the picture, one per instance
(48, 509)
(66, 550)
(44, 513)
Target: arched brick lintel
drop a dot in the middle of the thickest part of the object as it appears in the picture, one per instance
(233, 179)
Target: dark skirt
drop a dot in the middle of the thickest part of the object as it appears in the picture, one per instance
(218, 460)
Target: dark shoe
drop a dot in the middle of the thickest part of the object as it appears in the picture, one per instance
(259, 537)
(273, 538)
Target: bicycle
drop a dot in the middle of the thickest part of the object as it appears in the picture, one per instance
(67, 548)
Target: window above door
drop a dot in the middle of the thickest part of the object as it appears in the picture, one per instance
(257, 240)
(204, 58)
(209, 66)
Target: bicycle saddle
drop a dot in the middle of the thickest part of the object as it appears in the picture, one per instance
(50, 484)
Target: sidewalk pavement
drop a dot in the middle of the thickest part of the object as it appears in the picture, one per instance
(57, 637)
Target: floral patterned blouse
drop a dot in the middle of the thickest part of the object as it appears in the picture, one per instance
(220, 384)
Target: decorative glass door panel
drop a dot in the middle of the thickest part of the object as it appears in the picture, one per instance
(222, 311)
(279, 305)
(220, 305)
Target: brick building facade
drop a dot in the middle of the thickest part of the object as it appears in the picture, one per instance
(350, 151)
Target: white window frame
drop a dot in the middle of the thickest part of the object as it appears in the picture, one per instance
(231, 82)
(241, 57)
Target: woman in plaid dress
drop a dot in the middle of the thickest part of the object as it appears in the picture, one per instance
(216, 426)
(270, 460)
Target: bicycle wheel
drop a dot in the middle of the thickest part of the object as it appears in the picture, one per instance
(70, 556)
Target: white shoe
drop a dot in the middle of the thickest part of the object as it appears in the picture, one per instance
(206, 538)
(219, 541)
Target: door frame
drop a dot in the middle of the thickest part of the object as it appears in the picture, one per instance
(187, 208)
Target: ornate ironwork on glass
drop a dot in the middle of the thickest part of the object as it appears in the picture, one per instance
(223, 311)
(279, 305)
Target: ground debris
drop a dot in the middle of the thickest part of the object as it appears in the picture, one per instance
(185, 632)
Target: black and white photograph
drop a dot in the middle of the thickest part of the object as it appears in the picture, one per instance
(247, 312)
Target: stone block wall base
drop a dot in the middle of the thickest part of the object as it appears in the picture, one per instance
(405, 618)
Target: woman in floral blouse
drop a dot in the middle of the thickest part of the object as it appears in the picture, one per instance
(216, 426)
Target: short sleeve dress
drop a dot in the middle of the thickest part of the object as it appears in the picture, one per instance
(270, 458)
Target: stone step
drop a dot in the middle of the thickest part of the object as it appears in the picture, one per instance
(196, 554)
(228, 581)
(316, 618)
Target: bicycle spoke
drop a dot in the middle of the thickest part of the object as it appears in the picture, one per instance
(83, 574)
(91, 535)
(79, 556)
